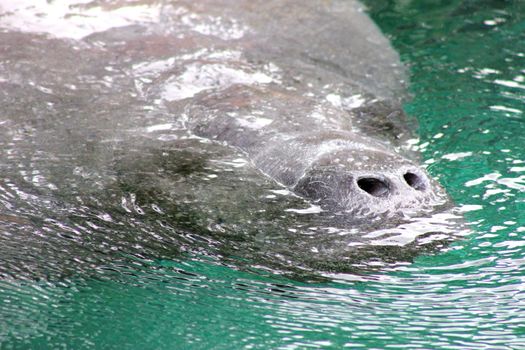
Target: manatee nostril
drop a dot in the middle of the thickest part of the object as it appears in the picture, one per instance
(373, 186)
(414, 181)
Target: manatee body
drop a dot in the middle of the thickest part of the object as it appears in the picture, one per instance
(266, 133)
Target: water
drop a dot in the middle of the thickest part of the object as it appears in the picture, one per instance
(468, 78)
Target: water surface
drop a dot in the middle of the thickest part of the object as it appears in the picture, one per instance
(467, 79)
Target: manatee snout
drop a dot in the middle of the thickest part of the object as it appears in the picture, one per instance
(371, 182)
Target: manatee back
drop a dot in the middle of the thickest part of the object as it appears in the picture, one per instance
(336, 35)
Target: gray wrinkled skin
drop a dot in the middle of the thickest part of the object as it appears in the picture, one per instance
(265, 134)
(315, 152)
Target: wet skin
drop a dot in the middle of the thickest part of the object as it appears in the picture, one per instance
(321, 157)
(271, 132)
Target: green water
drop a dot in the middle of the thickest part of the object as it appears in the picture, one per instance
(467, 63)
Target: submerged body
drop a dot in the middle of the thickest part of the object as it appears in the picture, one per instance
(176, 127)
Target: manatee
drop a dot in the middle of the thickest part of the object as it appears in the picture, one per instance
(266, 134)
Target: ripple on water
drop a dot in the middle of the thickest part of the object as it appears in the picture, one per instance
(467, 66)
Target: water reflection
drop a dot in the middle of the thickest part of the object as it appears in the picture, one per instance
(74, 19)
